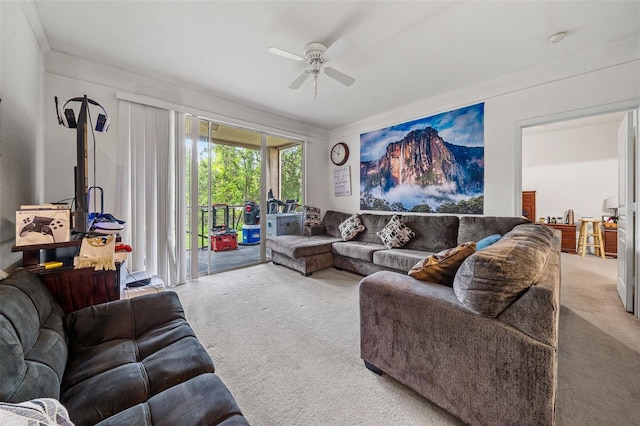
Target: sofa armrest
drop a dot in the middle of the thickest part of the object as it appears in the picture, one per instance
(125, 318)
(480, 369)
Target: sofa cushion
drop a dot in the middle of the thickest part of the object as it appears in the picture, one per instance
(129, 352)
(475, 228)
(332, 220)
(297, 246)
(490, 280)
(395, 234)
(356, 249)
(201, 400)
(401, 259)
(433, 233)
(441, 267)
(373, 224)
(350, 227)
(32, 340)
(311, 215)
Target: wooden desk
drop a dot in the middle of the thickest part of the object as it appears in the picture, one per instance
(568, 236)
(610, 242)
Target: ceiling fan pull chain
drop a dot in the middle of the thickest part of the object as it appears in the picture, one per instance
(315, 86)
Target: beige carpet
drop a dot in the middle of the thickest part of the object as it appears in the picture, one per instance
(288, 348)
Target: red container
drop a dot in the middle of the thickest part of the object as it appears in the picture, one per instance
(226, 241)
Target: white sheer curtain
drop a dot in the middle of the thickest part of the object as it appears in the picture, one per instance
(148, 181)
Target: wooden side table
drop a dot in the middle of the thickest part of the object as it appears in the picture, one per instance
(73, 289)
(568, 236)
(610, 242)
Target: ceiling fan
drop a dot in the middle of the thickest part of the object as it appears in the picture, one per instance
(317, 55)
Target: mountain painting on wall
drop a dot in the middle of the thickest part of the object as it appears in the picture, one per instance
(430, 165)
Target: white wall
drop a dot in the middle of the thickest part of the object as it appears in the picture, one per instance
(21, 122)
(60, 146)
(37, 155)
(507, 109)
(574, 168)
(69, 77)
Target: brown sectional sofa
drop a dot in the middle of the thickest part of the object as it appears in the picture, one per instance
(134, 361)
(322, 245)
(485, 349)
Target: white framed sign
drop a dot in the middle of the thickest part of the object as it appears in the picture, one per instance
(342, 181)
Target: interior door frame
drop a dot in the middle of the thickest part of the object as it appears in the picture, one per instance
(625, 106)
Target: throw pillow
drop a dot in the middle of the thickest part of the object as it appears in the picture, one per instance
(441, 267)
(311, 215)
(487, 241)
(351, 227)
(42, 411)
(395, 234)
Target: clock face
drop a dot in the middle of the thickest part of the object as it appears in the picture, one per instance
(339, 153)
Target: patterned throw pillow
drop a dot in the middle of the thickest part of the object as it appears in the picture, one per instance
(395, 234)
(441, 267)
(311, 215)
(37, 412)
(350, 227)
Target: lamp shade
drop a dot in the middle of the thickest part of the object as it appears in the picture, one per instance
(612, 202)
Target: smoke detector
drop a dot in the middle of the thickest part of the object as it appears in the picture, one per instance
(557, 37)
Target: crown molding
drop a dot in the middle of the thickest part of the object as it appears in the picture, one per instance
(189, 99)
(31, 12)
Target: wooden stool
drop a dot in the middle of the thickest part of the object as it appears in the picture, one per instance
(596, 227)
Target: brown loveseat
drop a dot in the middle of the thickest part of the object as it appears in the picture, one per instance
(486, 348)
(128, 362)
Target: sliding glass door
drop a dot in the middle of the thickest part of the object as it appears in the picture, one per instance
(233, 176)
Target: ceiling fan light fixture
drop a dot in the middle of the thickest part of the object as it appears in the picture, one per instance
(557, 37)
(317, 54)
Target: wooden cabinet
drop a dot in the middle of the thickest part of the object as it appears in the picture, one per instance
(529, 205)
(73, 289)
(610, 242)
(569, 239)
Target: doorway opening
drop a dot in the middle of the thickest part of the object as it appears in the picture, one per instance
(575, 166)
(233, 174)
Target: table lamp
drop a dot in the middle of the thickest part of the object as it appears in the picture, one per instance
(612, 204)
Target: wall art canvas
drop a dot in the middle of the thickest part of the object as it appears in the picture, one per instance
(430, 165)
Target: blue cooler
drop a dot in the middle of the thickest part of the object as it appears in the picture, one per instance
(250, 234)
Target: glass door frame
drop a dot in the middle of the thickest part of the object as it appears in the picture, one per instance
(194, 135)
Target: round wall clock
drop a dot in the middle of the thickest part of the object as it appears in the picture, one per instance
(340, 153)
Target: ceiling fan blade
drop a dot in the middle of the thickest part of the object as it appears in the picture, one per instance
(337, 48)
(301, 79)
(341, 77)
(284, 53)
